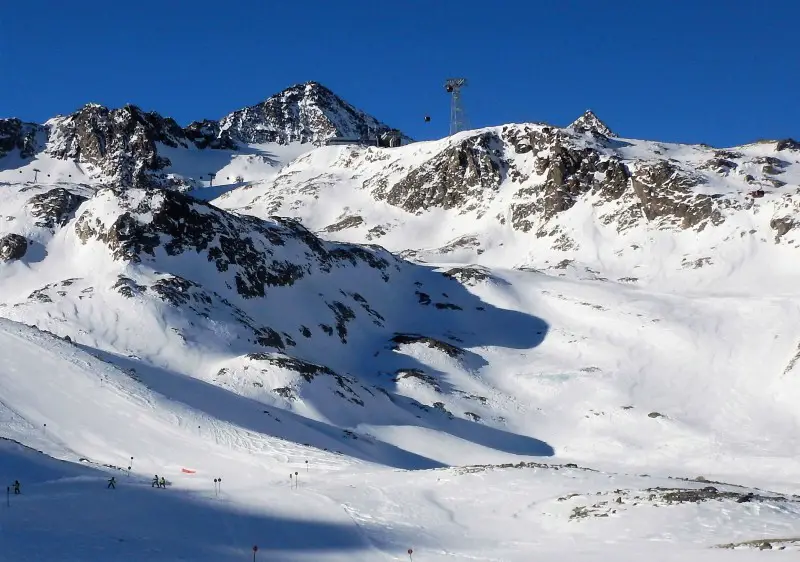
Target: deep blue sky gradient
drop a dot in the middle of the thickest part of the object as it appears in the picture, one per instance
(713, 71)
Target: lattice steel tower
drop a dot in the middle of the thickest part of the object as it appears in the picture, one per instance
(458, 120)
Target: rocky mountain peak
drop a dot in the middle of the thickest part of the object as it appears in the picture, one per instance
(305, 113)
(589, 121)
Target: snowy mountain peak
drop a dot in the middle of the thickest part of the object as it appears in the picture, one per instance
(305, 113)
(591, 122)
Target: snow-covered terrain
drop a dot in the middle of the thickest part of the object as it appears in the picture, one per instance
(567, 343)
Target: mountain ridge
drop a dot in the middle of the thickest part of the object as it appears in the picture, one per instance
(121, 146)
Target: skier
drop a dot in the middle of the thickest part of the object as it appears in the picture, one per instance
(16, 487)
(155, 483)
(163, 482)
(112, 483)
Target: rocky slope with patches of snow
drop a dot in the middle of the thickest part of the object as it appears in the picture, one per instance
(131, 147)
(305, 113)
(535, 196)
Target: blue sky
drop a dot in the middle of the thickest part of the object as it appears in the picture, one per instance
(713, 71)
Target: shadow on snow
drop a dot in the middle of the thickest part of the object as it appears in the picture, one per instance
(66, 512)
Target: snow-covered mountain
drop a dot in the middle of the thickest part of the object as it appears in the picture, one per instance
(538, 197)
(306, 113)
(591, 122)
(135, 148)
(577, 328)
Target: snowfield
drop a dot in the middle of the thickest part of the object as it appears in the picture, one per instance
(512, 344)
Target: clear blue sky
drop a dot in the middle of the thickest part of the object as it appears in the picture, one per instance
(716, 71)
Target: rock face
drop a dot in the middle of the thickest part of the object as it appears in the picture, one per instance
(16, 135)
(591, 122)
(13, 247)
(537, 179)
(121, 144)
(305, 113)
(242, 249)
(55, 207)
(461, 177)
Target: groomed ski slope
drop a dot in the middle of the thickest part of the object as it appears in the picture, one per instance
(342, 509)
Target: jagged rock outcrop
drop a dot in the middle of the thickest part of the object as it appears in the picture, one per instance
(121, 144)
(665, 193)
(17, 135)
(13, 247)
(305, 113)
(242, 248)
(54, 207)
(591, 122)
(120, 147)
(207, 134)
(463, 176)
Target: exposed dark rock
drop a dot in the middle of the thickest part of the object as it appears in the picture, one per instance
(449, 349)
(267, 337)
(128, 287)
(787, 144)
(207, 134)
(469, 275)
(416, 374)
(17, 135)
(121, 143)
(782, 226)
(665, 193)
(343, 315)
(719, 165)
(13, 247)
(347, 222)
(591, 122)
(462, 176)
(309, 372)
(54, 207)
(305, 113)
(177, 290)
(181, 224)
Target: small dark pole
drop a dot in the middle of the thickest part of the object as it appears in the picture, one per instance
(291, 482)
(255, 549)
(215, 487)
(410, 552)
(306, 466)
(219, 483)
(35, 174)
(296, 480)
(198, 431)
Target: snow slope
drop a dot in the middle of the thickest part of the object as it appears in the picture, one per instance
(340, 510)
